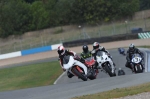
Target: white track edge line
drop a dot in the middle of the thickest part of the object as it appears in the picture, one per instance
(59, 77)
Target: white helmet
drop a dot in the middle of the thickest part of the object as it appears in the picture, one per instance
(61, 50)
(96, 45)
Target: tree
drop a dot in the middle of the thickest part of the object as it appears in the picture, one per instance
(15, 16)
(92, 11)
(40, 17)
(128, 7)
(144, 4)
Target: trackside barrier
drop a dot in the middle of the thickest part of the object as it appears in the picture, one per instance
(29, 51)
(10, 55)
(36, 50)
(54, 47)
(144, 35)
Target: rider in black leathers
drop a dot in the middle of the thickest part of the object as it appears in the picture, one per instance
(132, 50)
(86, 53)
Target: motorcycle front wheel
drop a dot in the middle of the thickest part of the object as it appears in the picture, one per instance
(79, 74)
(138, 69)
(108, 70)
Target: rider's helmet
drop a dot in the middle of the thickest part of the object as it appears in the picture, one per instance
(85, 48)
(131, 47)
(96, 45)
(61, 50)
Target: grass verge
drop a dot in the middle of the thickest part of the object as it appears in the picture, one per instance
(117, 93)
(29, 76)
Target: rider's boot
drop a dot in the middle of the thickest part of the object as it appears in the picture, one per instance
(69, 75)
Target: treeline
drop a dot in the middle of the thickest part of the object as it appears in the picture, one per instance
(20, 16)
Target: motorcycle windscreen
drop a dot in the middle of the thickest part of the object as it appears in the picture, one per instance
(99, 53)
(136, 58)
(68, 62)
(89, 59)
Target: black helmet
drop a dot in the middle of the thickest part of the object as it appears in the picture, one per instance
(95, 45)
(85, 48)
(131, 47)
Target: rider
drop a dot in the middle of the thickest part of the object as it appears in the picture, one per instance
(132, 50)
(62, 52)
(86, 53)
(96, 48)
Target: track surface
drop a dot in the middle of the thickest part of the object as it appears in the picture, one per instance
(67, 88)
(119, 60)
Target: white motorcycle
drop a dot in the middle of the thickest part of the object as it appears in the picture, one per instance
(137, 63)
(75, 67)
(105, 63)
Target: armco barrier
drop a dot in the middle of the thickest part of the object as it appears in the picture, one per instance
(29, 51)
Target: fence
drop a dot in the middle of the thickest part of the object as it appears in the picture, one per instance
(69, 33)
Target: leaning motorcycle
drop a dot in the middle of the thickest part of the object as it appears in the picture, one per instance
(105, 63)
(137, 63)
(92, 72)
(122, 51)
(75, 67)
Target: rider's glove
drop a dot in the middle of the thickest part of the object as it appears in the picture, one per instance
(93, 52)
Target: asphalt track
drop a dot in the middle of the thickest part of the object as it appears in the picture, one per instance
(66, 88)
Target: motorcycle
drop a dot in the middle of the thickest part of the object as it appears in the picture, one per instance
(75, 67)
(92, 72)
(122, 51)
(105, 63)
(137, 63)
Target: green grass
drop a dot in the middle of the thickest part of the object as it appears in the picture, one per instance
(146, 46)
(29, 76)
(117, 93)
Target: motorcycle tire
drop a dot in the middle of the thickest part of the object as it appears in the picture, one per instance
(138, 70)
(92, 75)
(80, 75)
(108, 70)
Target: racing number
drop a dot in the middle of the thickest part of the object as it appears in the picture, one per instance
(136, 59)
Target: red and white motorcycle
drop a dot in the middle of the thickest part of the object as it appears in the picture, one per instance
(92, 72)
(75, 67)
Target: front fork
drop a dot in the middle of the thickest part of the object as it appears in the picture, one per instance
(112, 66)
